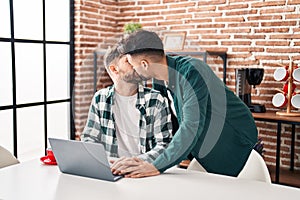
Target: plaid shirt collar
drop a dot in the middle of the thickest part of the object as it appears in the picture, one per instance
(140, 103)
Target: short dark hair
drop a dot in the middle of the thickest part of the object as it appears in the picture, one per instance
(111, 55)
(142, 41)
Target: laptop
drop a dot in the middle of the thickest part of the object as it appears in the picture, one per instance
(82, 159)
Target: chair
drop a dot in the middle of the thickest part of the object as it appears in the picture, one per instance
(6, 158)
(196, 166)
(254, 169)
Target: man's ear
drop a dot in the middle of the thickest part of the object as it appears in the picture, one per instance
(144, 64)
(113, 69)
(129, 58)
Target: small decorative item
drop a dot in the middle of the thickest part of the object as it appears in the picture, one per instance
(174, 41)
(287, 96)
(131, 27)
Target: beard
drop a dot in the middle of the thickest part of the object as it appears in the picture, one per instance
(134, 77)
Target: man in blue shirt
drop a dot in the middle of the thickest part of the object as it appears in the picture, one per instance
(215, 126)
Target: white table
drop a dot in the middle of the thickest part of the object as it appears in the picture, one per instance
(34, 180)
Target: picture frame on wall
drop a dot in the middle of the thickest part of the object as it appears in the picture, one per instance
(174, 41)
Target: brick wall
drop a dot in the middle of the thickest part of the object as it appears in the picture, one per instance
(255, 33)
(95, 30)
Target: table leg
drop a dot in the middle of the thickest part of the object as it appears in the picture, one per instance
(292, 148)
(278, 152)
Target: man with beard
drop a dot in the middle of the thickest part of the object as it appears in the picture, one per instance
(215, 126)
(127, 118)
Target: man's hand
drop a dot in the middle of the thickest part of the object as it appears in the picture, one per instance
(133, 168)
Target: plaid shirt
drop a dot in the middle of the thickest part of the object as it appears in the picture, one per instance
(155, 122)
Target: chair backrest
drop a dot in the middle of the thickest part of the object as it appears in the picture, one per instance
(196, 166)
(255, 168)
(6, 158)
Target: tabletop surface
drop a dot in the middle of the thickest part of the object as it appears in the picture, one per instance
(269, 115)
(34, 180)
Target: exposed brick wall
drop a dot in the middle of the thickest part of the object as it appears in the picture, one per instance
(95, 30)
(255, 33)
